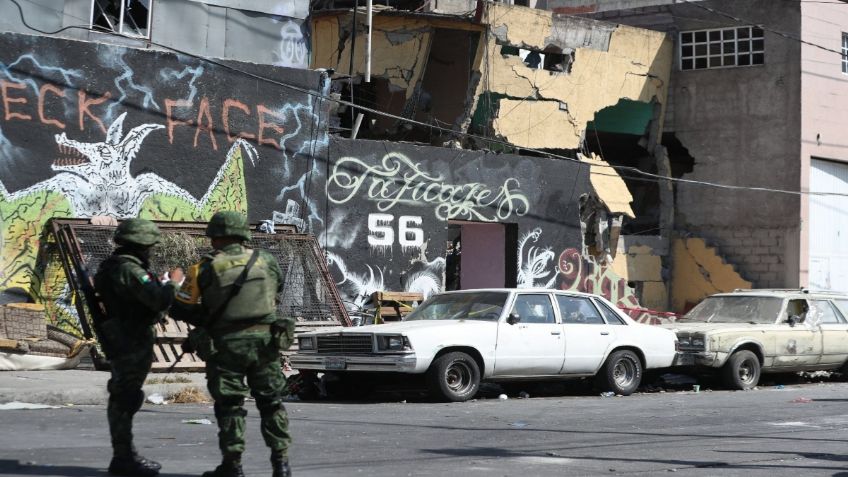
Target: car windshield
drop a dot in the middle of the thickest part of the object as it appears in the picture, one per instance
(485, 306)
(736, 309)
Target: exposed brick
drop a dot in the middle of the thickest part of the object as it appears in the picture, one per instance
(752, 259)
(768, 241)
(776, 267)
(776, 250)
(742, 233)
(760, 233)
(770, 277)
(749, 241)
(758, 267)
(760, 251)
(777, 233)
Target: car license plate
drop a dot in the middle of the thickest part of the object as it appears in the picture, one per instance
(335, 363)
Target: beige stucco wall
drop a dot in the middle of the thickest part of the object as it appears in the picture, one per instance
(551, 110)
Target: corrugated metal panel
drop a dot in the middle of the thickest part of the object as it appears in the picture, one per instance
(828, 226)
(284, 8)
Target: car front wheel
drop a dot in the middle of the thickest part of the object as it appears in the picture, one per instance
(454, 377)
(742, 370)
(621, 374)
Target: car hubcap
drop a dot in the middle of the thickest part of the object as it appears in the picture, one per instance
(458, 377)
(746, 374)
(624, 373)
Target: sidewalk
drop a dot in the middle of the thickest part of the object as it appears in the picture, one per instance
(82, 386)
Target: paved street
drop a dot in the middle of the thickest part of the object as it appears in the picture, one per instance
(799, 429)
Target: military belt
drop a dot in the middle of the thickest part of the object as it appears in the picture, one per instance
(226, 330)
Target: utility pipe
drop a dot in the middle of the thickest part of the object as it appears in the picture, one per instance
(368, 43)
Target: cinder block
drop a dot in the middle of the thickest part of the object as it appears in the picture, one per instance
(742, 233)
(644, 268)
(769, 259)
(760, 251)
(768, 241)
(776, 267)
(24, 320)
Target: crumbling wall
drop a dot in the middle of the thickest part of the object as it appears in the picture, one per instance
(400, 46)
(639, 261)
(547, 109)
(699, 271)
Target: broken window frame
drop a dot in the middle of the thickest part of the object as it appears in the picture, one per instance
(717, 48)
(124, 24)
(844, 53)
(546, 58)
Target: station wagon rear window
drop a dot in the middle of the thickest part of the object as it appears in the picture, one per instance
(736, 309)
(485, 306)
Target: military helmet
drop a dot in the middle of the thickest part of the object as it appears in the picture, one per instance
(228, 223)
(137, 232)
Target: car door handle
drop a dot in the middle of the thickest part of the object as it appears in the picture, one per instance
(604, 333)
(555, 332)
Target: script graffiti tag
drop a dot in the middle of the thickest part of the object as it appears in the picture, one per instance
(398, 180)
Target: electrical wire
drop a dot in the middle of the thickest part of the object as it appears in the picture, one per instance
(543, 153)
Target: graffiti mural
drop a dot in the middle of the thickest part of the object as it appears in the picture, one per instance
(89, 129)
(293, 50)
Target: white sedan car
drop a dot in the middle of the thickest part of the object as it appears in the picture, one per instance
(455, 340)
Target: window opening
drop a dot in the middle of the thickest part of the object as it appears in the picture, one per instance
(845, 53)
(127, 17)
(722, 48)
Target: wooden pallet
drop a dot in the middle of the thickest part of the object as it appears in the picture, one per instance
(393, 306)
(169, 338)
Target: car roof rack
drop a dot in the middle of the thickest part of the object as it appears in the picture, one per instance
(798, 290)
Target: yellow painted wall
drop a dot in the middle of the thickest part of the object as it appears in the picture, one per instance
(636, 67)
(699, 272)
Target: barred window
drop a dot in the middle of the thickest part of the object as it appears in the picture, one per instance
(723, 48)
(845, 53)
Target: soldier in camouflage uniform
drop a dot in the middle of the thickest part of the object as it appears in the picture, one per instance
(240, 338)
(134, 300)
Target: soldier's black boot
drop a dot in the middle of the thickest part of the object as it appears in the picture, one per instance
(230, 467)
(133, 465)
(280, 465)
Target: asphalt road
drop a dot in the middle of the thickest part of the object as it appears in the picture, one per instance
(796, 430)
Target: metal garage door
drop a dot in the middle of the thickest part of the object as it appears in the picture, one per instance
(828, 226)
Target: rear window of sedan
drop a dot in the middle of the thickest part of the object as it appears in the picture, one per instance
(485, 306)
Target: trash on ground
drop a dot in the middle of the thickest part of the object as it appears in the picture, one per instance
(608, 394)
(205, 422)
(16, 405)
(523, 395)
(779, 386)
(801, 400)
(503, 397)
(519, 424)
(156, 398)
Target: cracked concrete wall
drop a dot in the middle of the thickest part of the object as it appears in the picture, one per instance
(699, 272)
(639, 261)
(544, 109)
(609, 186)
(399, 45)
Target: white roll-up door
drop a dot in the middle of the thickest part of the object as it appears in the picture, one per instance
(828, 226)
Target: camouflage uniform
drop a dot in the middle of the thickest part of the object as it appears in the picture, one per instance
(134, 301)
(243, 341)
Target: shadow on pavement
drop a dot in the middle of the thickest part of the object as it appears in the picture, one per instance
(14, 467)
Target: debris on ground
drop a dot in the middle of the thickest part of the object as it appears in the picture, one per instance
(519, 424)
(608, 394)
(178, 379)
(523, 395)
(503, 397)
(801, 400)
(188, 395)
(204, 422)
(17, 405)
(156, 398)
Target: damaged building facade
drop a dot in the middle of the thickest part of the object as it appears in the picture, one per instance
(533, 82)
(724, 124)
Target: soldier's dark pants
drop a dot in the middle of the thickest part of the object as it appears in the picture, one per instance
(253, 357)
(129, 370)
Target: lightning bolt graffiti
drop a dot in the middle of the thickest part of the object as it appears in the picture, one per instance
(125, 83)
(169, 74)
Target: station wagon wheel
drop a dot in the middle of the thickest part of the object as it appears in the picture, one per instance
(621, 374)
(454, 377)
(742, 370)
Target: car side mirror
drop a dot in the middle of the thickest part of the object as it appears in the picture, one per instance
(513, 318)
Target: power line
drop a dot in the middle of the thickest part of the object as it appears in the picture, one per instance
(322, 96)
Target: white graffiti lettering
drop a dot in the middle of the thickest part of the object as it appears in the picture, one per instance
(293, 52)
(399, 180)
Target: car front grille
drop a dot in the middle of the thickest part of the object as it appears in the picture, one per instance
(345, 344)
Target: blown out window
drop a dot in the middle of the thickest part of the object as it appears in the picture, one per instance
(722, 48)
(127, 17)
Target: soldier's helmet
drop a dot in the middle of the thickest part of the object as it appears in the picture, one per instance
(228, 223)
(137, 232)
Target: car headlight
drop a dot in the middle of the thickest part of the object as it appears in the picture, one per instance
(393, 343)
(306, 343)
(698, 341)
